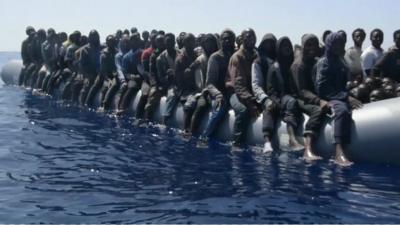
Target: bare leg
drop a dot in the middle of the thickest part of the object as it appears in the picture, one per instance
(268, 145)
(340, 158)
(293, 143)
(309, 151)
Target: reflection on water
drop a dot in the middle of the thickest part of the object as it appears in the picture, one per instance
(62, 164)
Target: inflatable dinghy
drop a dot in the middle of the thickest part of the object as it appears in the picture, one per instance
(375, 129)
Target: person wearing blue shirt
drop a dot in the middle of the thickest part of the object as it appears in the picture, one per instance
(130, 65)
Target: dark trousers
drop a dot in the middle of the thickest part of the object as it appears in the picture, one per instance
(341, 121)
(87, 84)
(110, 93)
(315, 118)
(68, 88)
(153, 102)
(242, 119)
(289, 111)
(96, 86)
(127, 92)
(140, 108)
(29, 71)
(202, 105)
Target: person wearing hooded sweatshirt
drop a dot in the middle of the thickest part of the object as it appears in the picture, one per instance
(280, 88)
(259, 72)
(389, 64)
(185, 78)
(107, 70)
(216, 78)
(243, 101)
(209, 45)
(309, 103)
(331, 77)
(89, 64)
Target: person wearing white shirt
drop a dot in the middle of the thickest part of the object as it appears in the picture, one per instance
(373, 53)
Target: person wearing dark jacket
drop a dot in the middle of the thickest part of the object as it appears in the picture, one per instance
(155, 89)
(259, 71)
(309, 103)
(37, 57)
(216, 78)
(331, 77)
(185, 78)
(50, 57)
(89, 64)
(107, 70)
(243, 101)
(26, 53)
(209, 45)
(118, 81)
(273, 82)
(389, 64)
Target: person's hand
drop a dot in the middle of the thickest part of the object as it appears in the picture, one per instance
(324, 105)
(188, 71)
(272, 105)
(219, 101)
(355, 103)
(170, 73)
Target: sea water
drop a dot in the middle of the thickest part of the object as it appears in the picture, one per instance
(63, 164)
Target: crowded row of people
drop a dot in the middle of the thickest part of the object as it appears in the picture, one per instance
(219, 72)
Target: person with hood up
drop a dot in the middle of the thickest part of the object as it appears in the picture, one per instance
(309, 103)
(389, 64)
(259, 72)
(243, 101)
(331, 77)
(280, 89)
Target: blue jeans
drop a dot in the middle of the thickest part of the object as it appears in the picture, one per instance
(215, 118)
(172, 101)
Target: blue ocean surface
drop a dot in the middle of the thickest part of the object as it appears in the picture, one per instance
(63, 164)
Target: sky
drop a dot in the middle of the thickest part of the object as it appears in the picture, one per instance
(290, 18)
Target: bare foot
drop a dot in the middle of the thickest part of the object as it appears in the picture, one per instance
(295, 146)
(309, 156)
(343, 161)
(267, 147)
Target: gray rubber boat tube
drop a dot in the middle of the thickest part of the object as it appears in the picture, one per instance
(375, 128)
